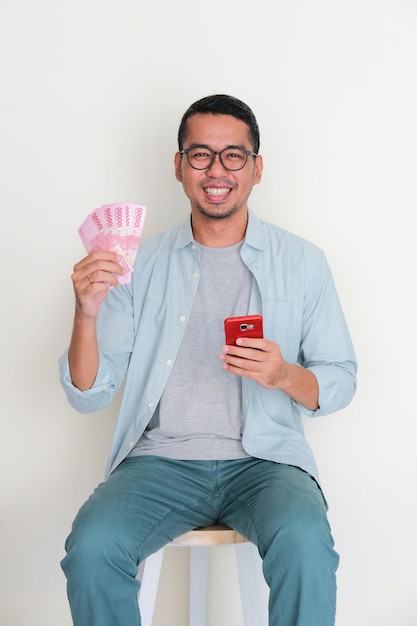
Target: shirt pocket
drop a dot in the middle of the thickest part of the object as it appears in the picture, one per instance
(283, 325)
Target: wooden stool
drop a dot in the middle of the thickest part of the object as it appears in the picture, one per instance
(249, 566)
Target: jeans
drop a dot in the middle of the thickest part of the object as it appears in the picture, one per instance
(148, 501)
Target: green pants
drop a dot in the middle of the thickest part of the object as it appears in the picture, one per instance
(148, 501)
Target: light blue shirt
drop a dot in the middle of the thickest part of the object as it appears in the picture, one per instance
(141, 325)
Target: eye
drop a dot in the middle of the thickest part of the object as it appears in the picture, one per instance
(234, 155)
(199, 154)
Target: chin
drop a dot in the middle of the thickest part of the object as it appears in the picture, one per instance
(217, 214)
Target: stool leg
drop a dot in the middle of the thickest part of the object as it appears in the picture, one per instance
(198, 585)
(151, 572)
(253, 590)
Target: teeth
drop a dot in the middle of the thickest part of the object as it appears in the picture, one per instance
(215, 191)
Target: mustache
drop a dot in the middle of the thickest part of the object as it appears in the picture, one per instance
(217, 183)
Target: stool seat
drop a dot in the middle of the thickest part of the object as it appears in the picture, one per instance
(253, 590)
(215, 535)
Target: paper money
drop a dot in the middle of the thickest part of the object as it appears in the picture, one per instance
(117, 227)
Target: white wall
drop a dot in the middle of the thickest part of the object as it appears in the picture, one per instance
(91, 96)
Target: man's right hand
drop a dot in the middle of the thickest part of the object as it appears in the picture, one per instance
(92, 278)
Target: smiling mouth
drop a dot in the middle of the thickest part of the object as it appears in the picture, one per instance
(216, 191)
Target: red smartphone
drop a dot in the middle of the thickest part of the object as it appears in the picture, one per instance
(244, 326)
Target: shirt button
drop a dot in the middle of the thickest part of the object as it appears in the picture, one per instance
(150, 404)
(195, 275)
(131, 444)
(169, 362)
(182, 318)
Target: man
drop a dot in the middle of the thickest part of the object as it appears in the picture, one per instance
(199, 438)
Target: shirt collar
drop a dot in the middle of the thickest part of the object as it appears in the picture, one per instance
(254, 229)
(184, 234)
(253, 236)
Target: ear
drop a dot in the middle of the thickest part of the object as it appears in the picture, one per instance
(177, 165)
(259, 166)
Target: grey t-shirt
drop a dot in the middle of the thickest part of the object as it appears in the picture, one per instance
(199, 416)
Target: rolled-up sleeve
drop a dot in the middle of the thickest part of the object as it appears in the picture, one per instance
(115, 337)
(97, 397)
(326, 345)
(337, 386)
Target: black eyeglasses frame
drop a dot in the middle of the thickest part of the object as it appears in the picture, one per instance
(217, 152)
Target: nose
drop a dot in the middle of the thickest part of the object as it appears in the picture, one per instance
(216, 168)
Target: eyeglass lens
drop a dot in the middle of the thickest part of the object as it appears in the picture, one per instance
(201, 158)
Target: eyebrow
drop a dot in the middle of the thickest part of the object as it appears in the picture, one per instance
(203, 145)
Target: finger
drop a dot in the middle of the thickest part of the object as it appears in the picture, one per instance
(243, 363)
(97, 270)
(251, 354)
(111, 267)
(257, 344)
(101, 277)
(97, 255)
(244, 372)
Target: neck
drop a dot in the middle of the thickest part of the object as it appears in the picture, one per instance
(219, 233)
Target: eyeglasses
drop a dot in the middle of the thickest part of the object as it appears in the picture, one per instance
(233, 158)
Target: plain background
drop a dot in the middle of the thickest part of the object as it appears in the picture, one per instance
(92, 92)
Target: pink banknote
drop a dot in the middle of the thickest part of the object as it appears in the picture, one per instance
(117, 227)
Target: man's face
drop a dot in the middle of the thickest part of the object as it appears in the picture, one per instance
(216, 192)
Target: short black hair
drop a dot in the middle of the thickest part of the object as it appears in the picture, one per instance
(221, 104)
